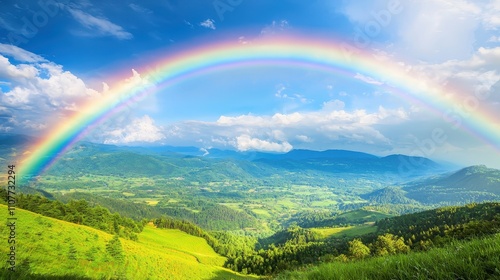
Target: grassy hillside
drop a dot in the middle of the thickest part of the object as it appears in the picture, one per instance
(350, 231)
(50, 248)
(362, 216)
(471, 184)
(388, 195)
(477, 259)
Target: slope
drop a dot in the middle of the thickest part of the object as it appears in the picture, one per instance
(471, 184)
(476, 259)
(52, 248)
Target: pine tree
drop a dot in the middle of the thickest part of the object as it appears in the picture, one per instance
(114, 248)
(72, 252)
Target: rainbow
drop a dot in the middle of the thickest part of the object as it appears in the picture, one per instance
(298, 51)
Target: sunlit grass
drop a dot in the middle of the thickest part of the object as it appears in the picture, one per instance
(45, 243)
(477, 259)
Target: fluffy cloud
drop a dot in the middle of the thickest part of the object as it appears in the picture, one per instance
(327, 127)
(246, 142)
(476, 76)
(139, 130)
(37, 90)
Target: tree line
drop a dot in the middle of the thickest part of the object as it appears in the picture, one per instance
(79, 212)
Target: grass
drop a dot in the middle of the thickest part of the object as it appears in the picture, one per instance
(179, 241)
(152, 202)
(43, 247)
(477, 259)
(367, 215)
(359, 230)
(350, 231)
(262, 213)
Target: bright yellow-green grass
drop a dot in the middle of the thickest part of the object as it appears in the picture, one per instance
(152, 202)
(350, 231)
(262, 213)
(159, 254)
(179, 241)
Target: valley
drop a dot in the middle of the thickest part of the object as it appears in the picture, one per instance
(233, 215)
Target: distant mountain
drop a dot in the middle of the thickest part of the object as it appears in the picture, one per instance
(10, 139)
(474, 178)
(341, 161)
(308, 154)
(471, 184)
(217, 164)
(389, 195)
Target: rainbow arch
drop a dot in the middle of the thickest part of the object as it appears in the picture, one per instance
(298, 50)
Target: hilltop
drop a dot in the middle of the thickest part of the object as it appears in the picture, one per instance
(470, 184)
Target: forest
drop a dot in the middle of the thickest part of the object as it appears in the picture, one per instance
(295, 246)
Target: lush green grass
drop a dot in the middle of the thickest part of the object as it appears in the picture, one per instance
(263, 213)
(364, 215)
(329, 232)
(43, 247)
(179, 241)
(350, 231)
(476, 259)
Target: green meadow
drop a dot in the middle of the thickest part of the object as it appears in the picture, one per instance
(47, 248)
(349, 231)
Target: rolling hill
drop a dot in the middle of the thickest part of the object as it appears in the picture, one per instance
(80, 252)
(388, 195)
(471, 184)
(214, 164)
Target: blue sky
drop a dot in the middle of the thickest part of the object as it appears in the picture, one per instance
(55, 53)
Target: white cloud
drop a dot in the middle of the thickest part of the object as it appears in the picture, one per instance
(139, 130)
(330, 126)
(494, 39)
(304, 138)
(474, 76)
(99, 26)
(208, 23)
(293, 100)
(333, 105)
(140, 9)
(38, 91)
(276, 27)
(20, 54)
(18, 72)
(491, 15)
(246, 143)
(368, 80)
(242, 40)
(279, 93)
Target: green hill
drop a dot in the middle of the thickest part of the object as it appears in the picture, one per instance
(471, 184)
(47, 248)
(362, 216)
(476, 259)
(388, 195)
